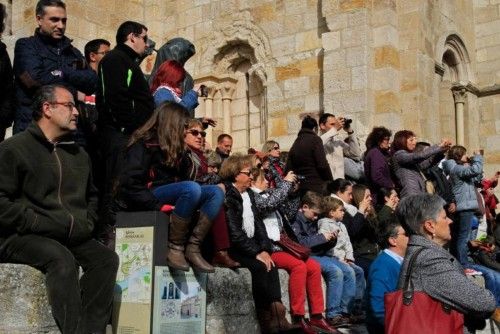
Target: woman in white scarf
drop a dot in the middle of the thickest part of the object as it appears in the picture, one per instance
(305, 276)
(250, 245)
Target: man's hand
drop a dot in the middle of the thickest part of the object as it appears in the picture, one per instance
(208, 121)
(265, 258)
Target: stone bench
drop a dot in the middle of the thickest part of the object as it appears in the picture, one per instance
(24, 307)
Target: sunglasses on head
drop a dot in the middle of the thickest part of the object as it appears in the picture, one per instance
(197, 133)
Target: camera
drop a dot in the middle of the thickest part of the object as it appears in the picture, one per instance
(203, 91)
(300, 177)
(347, 123)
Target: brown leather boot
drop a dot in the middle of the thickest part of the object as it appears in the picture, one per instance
(278, 322)
(177, 235)
(193, 252)
(496, 316)
(222, 259)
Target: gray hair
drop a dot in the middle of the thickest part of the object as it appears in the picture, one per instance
(44, 94)
(414, 210)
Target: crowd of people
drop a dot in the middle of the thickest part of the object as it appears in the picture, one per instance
(93, 137)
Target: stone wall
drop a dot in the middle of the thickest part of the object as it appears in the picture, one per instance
(487, 33)
(381, 62)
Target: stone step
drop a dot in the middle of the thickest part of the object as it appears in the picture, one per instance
(24, 306)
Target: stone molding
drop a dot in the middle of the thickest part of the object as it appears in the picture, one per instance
(238, 29)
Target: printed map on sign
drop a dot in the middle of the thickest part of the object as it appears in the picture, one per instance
(135, 249)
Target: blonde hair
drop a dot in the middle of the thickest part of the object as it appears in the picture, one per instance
(268, 146)
(233, 165)
(331, 204)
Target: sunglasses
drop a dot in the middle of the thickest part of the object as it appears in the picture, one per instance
(276, 148)
(246, 173)
(144, 38)
(197, 133)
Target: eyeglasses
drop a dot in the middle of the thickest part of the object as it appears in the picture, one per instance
(248, 173)
(398, 234)
(197, 133)
(69, 105)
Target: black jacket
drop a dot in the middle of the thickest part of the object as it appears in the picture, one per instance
(240, 242)
(307, 158)
(145, 169)
(45, 189)
(123, 99)
(40, 60)
(7, 91)
(363, 234)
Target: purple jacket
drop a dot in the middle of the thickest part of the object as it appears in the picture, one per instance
(377, 170)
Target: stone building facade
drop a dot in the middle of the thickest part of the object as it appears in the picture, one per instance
(429, 66)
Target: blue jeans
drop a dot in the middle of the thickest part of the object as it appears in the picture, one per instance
(462, 231)
(491, 279)
(340, 285)
(188, 196)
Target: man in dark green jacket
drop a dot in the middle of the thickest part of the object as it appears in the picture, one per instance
(48, 211)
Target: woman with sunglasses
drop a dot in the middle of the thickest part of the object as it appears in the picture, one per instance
(199, 172)
(160, 170)
(276, 170)
(250, 244)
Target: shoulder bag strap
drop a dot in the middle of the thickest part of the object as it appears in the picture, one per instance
(408, 285)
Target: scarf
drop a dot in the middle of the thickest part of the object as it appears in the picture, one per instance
(248, 218)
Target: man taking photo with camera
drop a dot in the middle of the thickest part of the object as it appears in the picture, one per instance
(336, 147)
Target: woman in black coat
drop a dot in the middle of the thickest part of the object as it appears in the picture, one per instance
(250, 245)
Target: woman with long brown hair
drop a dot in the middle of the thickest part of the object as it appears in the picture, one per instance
(159, 171)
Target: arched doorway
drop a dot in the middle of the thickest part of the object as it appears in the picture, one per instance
(454, 78)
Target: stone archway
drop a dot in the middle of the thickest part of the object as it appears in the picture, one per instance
(455, 76)
(237, 57)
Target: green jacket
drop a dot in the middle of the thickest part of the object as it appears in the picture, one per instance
(45, 189)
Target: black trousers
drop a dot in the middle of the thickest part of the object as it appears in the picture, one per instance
(266, 287)
(82, 305)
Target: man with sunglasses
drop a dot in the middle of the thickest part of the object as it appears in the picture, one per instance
(48, 57)
(123, 100)
(48, 210)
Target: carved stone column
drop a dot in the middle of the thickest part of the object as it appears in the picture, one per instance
(209, 106)
(460, 97)
(227, 89)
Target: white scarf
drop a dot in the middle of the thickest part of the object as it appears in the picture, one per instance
(248, 218)
(351, 209)
(271, 220)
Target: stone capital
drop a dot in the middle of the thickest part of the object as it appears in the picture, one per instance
(211, 90)
(227, 89)
(459, 94)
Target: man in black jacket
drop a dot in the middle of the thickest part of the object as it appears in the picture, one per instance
(48, 58)
(48, 212)
(123, 100)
